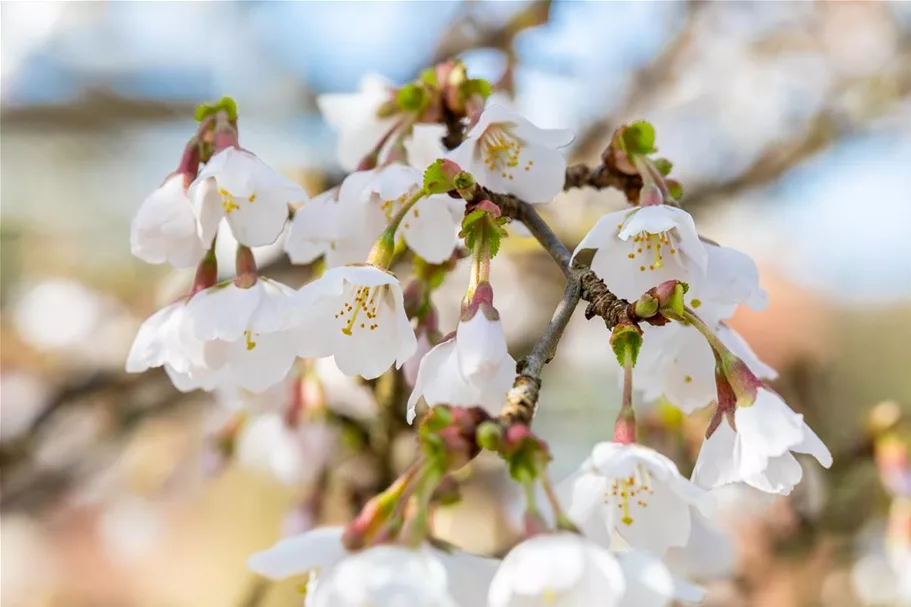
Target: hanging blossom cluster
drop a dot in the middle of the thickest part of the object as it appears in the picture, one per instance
(438, 170)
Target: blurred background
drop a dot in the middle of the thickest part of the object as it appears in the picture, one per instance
(789, 125)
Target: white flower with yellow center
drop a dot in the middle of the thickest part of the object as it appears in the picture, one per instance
(557, 570)
(636, 492)
(254, 198)
(758, 449)
(164, 228)
(377, 576)
(357, 118)
(246, 332)
(641, 248)
(355, 313)
(509, 155)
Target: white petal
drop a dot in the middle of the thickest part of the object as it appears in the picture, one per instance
(732, 277)
(222, 312)
(733, 340)
(663, 523)
(767, 428)
(299, 554)
(542, 181)
(717, 463)
(425, 145)
(429, 229)
(582, 497)
(265, 364)
(663, 218)
(259, 223)
(603, 233)
(481, 345)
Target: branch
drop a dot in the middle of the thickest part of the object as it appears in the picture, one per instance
(581, 284)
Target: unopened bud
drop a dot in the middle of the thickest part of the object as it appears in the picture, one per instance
(490, 436)
(646, 306)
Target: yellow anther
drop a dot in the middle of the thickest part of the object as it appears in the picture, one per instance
(249, 338)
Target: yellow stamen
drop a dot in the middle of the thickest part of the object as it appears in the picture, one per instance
(227, 201)
(249, 338)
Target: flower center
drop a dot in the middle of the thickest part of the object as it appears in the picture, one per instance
(360, 310)
(228, 203)
(500, 151)
(248, 336)
(649, 247)
(630, 492)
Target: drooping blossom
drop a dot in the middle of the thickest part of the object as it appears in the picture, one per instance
(471, 368)
(757, 447)
(237, 185)
(508, 154)
(636, 492)
(164, 228)
(356, 314)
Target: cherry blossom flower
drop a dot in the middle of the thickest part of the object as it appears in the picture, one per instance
(339, 224)
(759, 451)
(640, 248)
(636, 492)
(557, 570)
(247, 332)
(356, 314)
(237, 185)
(677, 363)
(440, 381)
(508, 154)
(164, 228)
(359, 119)
(708, 555)
(165, 340)
(384, 573)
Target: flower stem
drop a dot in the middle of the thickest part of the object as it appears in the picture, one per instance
(480, 268)
(625, 425)
(206, 271)
(245, 267)
(384, 247)
(563, 521)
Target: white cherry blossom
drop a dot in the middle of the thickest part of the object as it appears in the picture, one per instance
(640, 248)
(356, 314)
(339, 224)
(508, 154)
(440, 381)
(676, 362)
(247, 332)
(759, 451)
(708, 555)
(381, 573)
(164, 228)
(557, 570)
(356, 118)
(636, 492)
(237, 185)
(165, 340)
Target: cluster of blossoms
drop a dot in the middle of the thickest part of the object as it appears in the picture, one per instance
(435, 165)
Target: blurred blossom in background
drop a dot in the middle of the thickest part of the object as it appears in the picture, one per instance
(789, 125)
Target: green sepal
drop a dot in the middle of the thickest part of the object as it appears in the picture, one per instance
(639, 138)
(479, 224)
(675, 189)
(225, 104)
(412, 97)
(663, 165)
(476, 86)
(429, 77)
